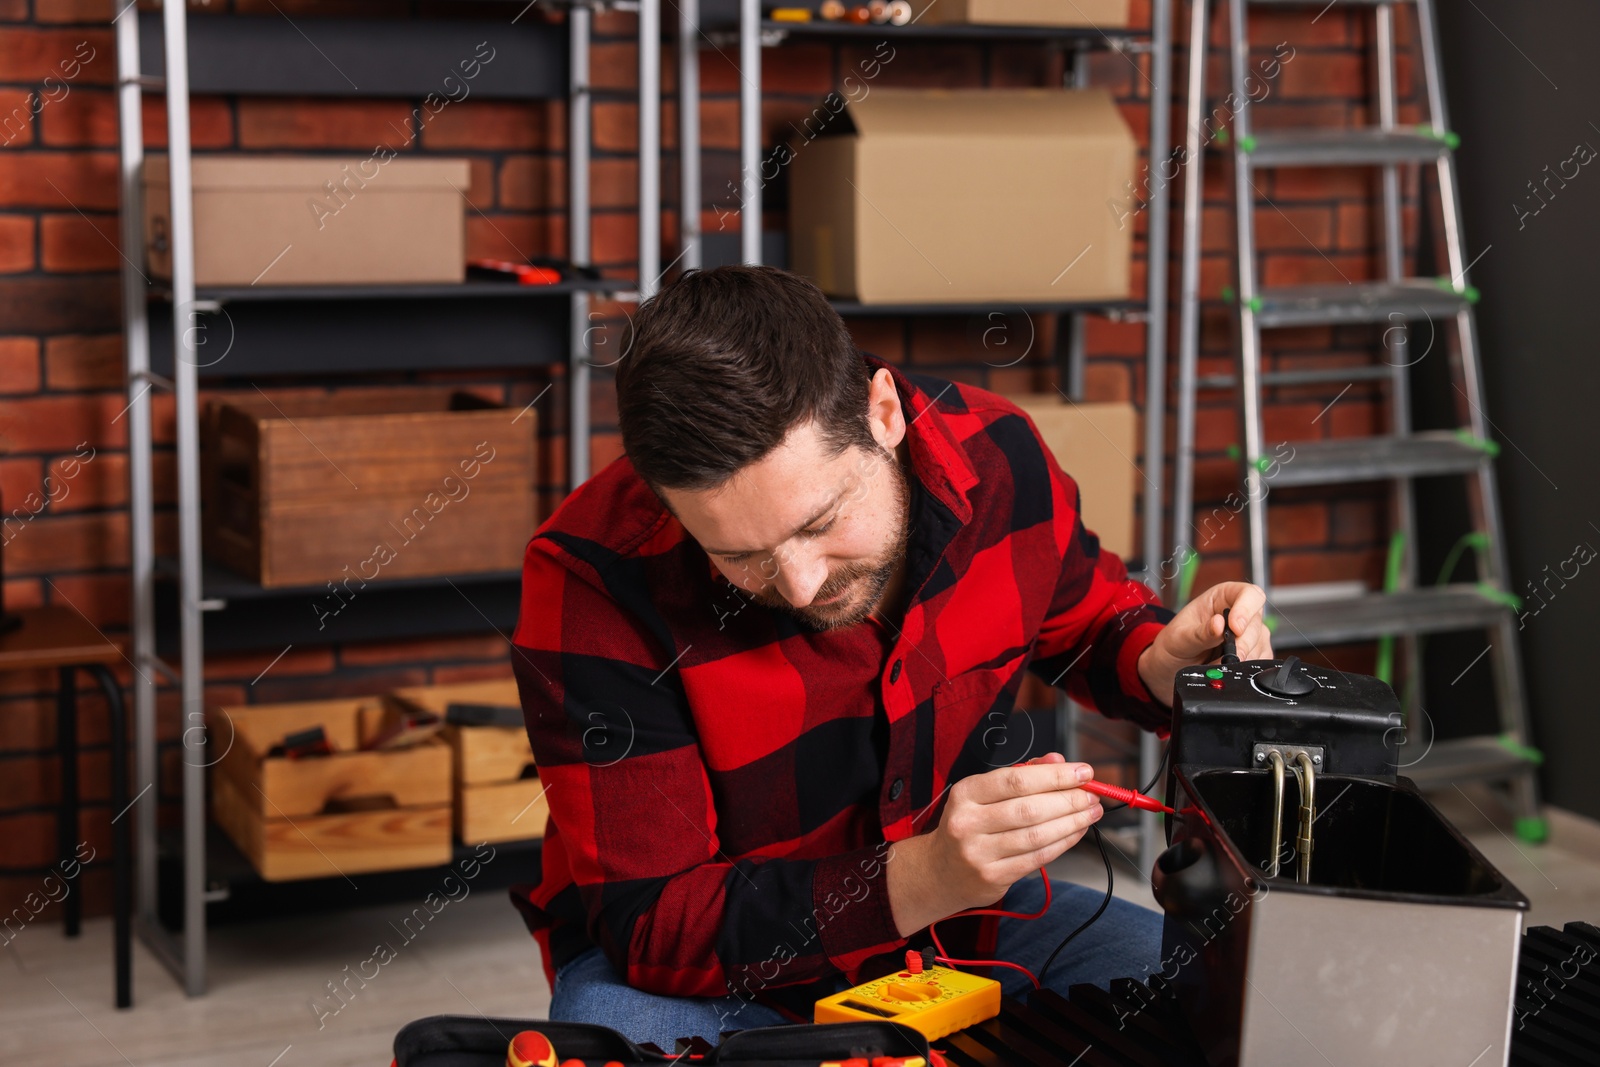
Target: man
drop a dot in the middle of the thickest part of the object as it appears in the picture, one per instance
(786, 631)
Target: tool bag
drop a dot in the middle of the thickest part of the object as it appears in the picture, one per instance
(475, 1041)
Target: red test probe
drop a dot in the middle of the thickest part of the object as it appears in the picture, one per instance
(1127, 796)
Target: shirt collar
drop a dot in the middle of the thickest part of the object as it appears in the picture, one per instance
(937, 459)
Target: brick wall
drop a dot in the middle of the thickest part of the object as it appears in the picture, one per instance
(60, 351)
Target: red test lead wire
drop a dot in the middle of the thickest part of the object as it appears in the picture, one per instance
(1130, 797)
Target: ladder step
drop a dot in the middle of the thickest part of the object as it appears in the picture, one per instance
(1438, 609)
(1366, 459)
(1413, 299)
(1310, 376)
(1342, 148)
(1462, 758)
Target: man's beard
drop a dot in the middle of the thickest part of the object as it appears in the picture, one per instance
(863, 581)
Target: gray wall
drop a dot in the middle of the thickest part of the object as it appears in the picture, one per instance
(1524, 90)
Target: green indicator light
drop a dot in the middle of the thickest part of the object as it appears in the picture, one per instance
(1247, 143)
(1215, 672)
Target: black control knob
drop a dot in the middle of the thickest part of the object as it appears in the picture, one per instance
(1289, 679)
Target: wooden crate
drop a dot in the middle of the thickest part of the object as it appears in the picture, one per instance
(366, 485)
(327, 816)
(493, 802)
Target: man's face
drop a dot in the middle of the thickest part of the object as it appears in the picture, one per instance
(820, 536)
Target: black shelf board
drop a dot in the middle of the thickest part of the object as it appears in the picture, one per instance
(384, 610)
(250, 897)
(315, 331)
(849, 308)
(936, 34)
(468, 290)
(270, 55)
(218, 582)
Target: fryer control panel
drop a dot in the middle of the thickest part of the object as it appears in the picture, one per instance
(1222, 712)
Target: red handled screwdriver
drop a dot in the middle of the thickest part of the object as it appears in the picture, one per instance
(1127, 796)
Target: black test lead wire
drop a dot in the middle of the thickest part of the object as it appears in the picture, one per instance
(1230, 655)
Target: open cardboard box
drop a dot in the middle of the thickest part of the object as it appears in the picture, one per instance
(966, 196)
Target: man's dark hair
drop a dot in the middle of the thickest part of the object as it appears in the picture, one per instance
(724, 363)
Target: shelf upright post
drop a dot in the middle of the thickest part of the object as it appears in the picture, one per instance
(1075, 321)
(185, 379)
(1070, 337)
(141, 495)
(689, 132)
(579, 21)
(649, 147)
(1155, 358)
(1189, 296)
(750, 130)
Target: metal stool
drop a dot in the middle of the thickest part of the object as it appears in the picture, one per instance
(60, 638)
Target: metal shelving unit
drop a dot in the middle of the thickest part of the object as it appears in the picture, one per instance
(181, 606)
(725, 23)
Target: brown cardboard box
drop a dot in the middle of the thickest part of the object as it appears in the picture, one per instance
(1096, 444)
(1101, 14)
(315, 489)
(300, 220)
(966, 195)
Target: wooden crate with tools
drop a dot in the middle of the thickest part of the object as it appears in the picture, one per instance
(497, 794)
(334, 808)
(366, 485)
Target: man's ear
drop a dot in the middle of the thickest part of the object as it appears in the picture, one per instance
(885, 416)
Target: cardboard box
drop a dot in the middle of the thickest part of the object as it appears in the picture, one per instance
(497, 795)
(1096, 444)
(366, 486)
(303, 220)
(325, 816)
(1099, 14)
(966, 195)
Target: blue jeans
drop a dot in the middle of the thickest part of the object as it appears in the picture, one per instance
(1124, 942)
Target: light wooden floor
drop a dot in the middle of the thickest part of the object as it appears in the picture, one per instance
(474, 956)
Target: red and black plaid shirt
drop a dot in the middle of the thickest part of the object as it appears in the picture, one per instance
(722, 780)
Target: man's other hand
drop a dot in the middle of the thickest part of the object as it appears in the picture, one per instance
(996, 828)
(1195, 635)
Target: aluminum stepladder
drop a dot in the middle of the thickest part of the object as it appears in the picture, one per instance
(1402, 306)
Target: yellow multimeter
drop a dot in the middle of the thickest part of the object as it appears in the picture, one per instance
(935, 1002)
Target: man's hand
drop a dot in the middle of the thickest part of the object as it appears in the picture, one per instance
(996, 828)
(1195, 635)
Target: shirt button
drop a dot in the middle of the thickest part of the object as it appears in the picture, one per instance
(894, 672)
(896, 788)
